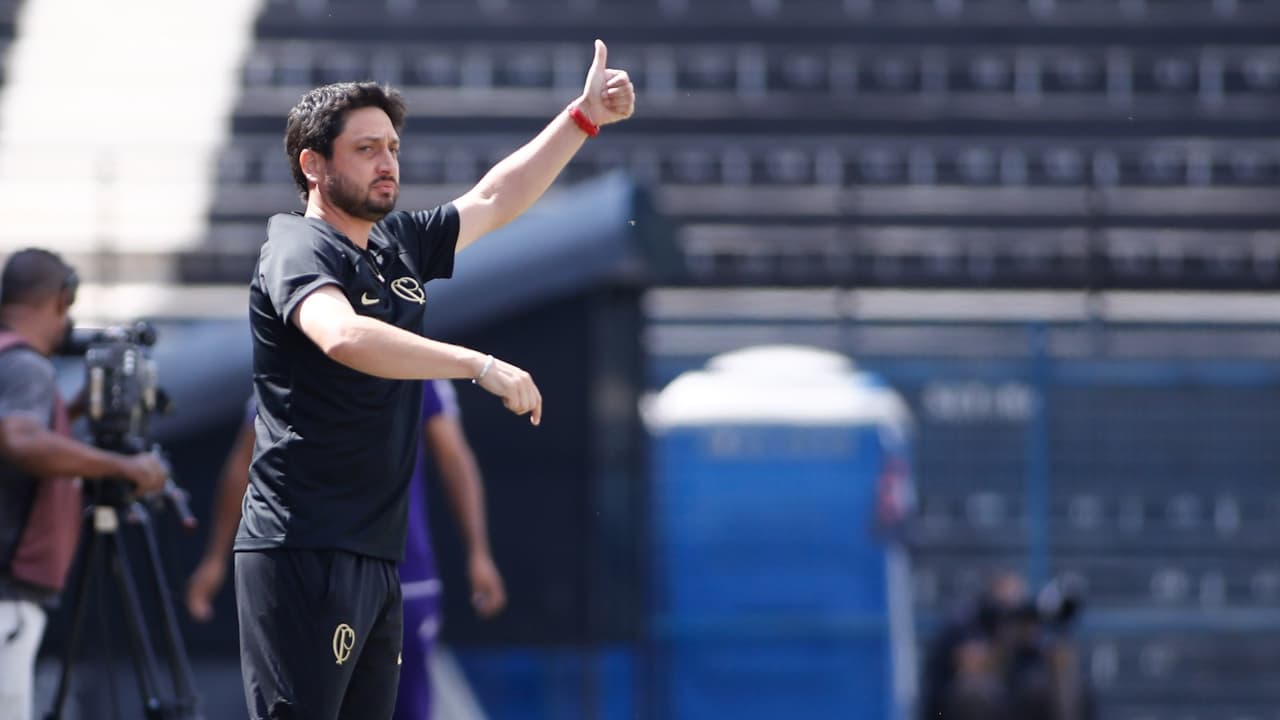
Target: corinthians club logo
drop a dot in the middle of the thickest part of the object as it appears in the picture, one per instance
(344, 639)
(409, 289)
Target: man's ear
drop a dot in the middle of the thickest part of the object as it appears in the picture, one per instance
(312, 164)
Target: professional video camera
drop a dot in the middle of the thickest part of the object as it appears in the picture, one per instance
(121, 382)
(122, 394)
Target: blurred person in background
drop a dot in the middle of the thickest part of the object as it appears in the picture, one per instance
(40, 465)
(1008, 657)
(336, 307)
(447, 445)
(419, 578)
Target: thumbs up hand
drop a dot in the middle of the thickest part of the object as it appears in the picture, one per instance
(608, 95)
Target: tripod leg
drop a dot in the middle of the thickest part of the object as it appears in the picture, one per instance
(179, 663)
(144, 657)
(90, 552)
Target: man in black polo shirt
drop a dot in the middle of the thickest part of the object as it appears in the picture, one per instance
(335, 309)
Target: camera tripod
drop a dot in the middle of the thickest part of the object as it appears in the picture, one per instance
(111, 508)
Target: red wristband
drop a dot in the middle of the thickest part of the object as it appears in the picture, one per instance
(584, 122)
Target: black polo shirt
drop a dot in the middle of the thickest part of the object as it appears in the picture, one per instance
(335, 447)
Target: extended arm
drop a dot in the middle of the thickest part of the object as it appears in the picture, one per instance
(35, 449)
(377, 348)
(515, 183)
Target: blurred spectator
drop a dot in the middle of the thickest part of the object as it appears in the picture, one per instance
(1008, 657)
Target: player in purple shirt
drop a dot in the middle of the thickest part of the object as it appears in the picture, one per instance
(420, 584)
(445, 443)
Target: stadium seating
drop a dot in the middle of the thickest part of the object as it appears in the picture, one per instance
(842, 124)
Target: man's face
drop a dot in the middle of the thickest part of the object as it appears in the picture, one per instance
(363, 177)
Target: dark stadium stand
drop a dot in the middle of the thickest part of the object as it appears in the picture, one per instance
(1086, 143)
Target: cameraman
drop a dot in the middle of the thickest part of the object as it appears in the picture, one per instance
(40, 502)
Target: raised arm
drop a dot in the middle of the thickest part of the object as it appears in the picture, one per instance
(515, 183)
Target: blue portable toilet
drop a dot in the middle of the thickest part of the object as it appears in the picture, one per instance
(778, 591)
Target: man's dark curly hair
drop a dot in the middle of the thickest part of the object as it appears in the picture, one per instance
(320, 115)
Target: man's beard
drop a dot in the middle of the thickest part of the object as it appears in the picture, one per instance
(346, 196)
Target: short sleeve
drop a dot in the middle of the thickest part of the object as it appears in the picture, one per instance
(430, 237)
(28, 385)
(290, 271)
(438, 398)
